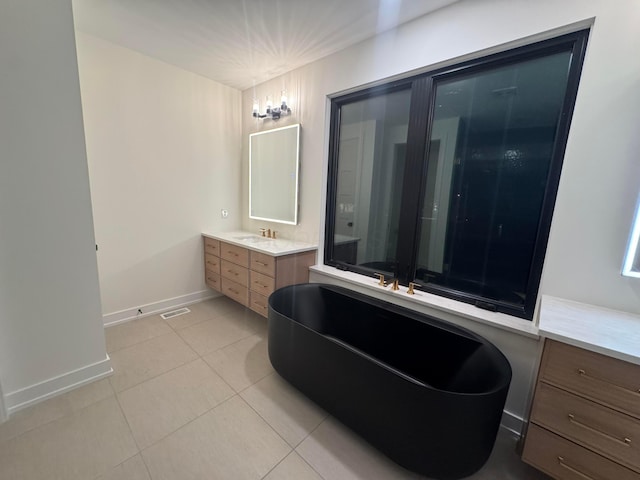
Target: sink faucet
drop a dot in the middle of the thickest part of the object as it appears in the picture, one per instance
(267, 231)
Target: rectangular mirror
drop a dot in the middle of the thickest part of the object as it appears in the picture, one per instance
(273, 174)
(631, 267)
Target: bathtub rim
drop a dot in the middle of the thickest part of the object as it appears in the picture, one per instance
(412, 314)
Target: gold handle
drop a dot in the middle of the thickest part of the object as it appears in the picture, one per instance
(263, 231)
(573, 470)
(273, 234)
(381, 277)
(394, 285)
(411, 288)
(584, 374)
(625, 441)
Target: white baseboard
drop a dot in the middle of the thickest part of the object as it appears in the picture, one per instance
(512, 422)
(122, 316)
(38, 392)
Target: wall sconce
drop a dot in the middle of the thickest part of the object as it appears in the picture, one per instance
(272, 112)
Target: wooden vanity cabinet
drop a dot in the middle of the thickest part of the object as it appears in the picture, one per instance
(585, 416)
(248, 276)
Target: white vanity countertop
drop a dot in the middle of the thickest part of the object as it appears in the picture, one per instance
(460, 309)
(610, 332)
(275, 247)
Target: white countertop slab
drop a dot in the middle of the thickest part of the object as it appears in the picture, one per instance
(275, 247)
(495, 319)
(610, 332)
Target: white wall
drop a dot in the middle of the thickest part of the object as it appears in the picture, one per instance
(164, 158)
(51, 334)
(601, 173)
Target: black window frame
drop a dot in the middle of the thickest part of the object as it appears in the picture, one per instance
(422, 87)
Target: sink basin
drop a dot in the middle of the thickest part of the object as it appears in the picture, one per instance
(251, 238)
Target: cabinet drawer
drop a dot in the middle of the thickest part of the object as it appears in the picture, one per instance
(606, 431)
(259, 303)
(237, 255)
(601, 378)
(564, 460)
(212, 263)
(211, 246)
(234, 272)
(262, 284)
(265, 264)
(212, 280)
(235, 291)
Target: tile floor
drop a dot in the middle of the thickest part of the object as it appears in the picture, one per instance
(195, 397)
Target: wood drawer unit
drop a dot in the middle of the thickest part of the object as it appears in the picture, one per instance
(234, 272)
(212, 246)
(234, 254)
(212, 263)
(587, 404)
(262, 284)
(212, 280)
(258, 303)
(563, 459)
(263, 263)
(248, 276)
(235, 291)
(603, 379)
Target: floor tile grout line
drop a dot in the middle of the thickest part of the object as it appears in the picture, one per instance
(193, 324)
(225, 346)
(64, 415)
(305, 460)
(145, 341)
(268, 424)
(199, 356)
(124, 415)
(189, 422)
(162, 373)
(141, 341)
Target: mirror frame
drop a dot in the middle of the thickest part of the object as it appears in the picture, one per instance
(297, 175)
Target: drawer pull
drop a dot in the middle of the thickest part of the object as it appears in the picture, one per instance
(260, 284)
(212, 263)
(232, 253)
(573, 470)
(234, 291)
(625, 441)
(212, 280)
(231, 271)
(584, 374)
(260, 263)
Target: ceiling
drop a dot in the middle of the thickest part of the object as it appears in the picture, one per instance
(242, 43)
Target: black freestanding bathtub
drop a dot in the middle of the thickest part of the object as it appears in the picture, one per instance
(426, 393)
